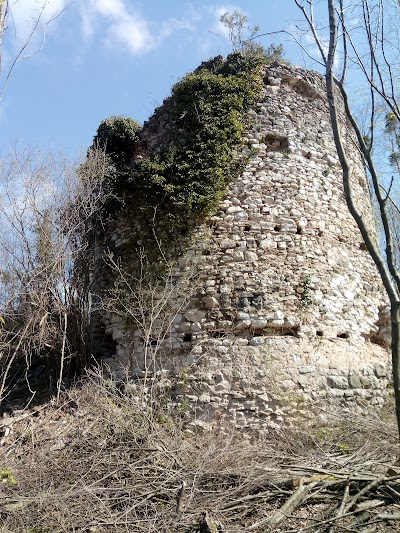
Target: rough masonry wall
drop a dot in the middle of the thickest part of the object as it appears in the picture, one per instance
(277, 301)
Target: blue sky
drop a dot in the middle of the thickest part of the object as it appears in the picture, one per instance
(112, 57)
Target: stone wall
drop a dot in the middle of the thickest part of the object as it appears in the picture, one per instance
(276, 302)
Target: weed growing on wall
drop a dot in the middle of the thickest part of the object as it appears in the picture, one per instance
(307, 297)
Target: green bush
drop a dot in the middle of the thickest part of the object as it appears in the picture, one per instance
(117, 136)
(275, 52)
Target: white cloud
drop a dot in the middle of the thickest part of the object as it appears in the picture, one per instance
(123, 25)
(112, 8)
(133, 32)
(126, 26)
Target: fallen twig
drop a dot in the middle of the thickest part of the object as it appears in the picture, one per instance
(290, 505)
(361, 493)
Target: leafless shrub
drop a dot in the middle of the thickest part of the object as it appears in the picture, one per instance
(45, 208)
(148, 298)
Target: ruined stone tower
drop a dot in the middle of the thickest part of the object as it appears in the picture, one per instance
(276, 301)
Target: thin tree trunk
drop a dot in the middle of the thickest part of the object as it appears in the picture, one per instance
(395, 322)
(64, 339)
(371, 245)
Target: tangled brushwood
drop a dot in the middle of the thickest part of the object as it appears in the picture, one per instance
(45, 209)
(101, 460)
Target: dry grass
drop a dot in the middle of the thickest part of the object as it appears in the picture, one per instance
(102, 461)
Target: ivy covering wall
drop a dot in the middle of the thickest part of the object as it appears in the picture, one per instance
(187, 177)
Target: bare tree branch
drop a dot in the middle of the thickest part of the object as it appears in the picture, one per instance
(4, 12)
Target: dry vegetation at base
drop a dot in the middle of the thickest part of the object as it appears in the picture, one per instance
(100, 461)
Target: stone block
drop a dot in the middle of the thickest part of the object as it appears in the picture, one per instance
(197, 350)
(117, 335)
(259, 323)
(250, 256)
(338, 382)
(366, 381)
(286, 384)
(177, 319)
(277, 323)
(236, 257)
(210, 302)
(185, 327)
(227, 243)
(194, 315)
(250, 405)
(242, 325)
(375, 383)
(267, 244)
(355, 381)
(234, 209)
(223, 386)
(257, 341)
(369, 370)
(308, 369)
(225, 289)
(380, 370)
